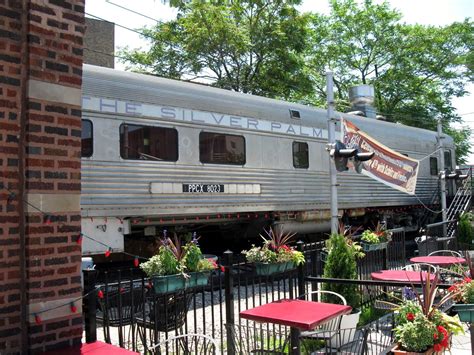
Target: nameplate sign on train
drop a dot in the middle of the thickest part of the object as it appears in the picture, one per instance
(203, 188)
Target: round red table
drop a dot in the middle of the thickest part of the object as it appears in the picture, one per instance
(400, 275)
(438, 260)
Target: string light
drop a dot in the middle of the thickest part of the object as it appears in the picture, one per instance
(136, 262)
(100, 294)
(107, 252)
(79, 239)
(37, 319)
(73, 307)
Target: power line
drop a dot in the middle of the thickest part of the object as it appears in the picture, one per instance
(132, 11)
(121, 26)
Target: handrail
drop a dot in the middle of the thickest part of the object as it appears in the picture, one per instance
(368, 282)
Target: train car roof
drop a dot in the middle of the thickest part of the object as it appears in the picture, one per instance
(116, 84)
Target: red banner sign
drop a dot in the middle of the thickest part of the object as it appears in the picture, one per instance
(387, 166)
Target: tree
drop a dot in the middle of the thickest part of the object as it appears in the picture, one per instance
(268, 48)
(416, 70)
(251, 46)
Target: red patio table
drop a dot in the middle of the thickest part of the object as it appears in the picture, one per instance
(297, 314)
(438, 260)
(95, 348)
(400, 275)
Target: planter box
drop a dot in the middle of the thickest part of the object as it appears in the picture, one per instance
(370, 246)
(198, 278)
(264, 269)
(168, 283)
(465, 312)
(397, 351)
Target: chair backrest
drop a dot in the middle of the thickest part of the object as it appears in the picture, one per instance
(311, 296)
(186, 344)
(420, 267)
(446, 253)
(259, 338)
(335, 323)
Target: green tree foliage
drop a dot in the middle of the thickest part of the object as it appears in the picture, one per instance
(251, 46)
(268, 48)
(341, 264)
(416, 70)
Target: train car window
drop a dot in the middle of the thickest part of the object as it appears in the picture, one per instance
(447, 160)
(300, 155)
(433, 166)
(217, 148)
(87, 142)
(148, 143)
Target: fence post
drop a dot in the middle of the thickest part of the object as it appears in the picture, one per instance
(89, 307)
(301, 290)
(229, 300)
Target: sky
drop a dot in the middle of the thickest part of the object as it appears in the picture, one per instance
(425, 12)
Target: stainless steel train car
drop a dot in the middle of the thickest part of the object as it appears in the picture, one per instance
(159, 152)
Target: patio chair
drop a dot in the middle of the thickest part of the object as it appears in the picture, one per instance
(446, 253)
(328, 332)
(420, 267)
(358, 346)
(259, 338)
(198, 344)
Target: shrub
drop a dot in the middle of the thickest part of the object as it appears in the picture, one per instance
(466, 232)
(341, 263)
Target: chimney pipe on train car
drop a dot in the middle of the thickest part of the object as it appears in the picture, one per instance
(362, 99)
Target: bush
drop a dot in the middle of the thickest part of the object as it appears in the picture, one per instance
(341, 263)
(466, 232)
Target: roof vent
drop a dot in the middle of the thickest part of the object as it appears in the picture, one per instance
(295, 115)
(362, 99)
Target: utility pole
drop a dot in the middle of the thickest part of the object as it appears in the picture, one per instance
(331, 143)
(442, 180)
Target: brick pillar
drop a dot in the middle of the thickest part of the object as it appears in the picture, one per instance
(40, 143)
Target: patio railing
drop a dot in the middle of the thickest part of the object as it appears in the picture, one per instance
(130, 315)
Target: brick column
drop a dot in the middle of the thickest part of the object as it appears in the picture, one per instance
(40, 143)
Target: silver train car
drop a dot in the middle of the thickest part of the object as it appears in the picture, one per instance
(159, 152)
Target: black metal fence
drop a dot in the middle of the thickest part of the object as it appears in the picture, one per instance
(123, 307)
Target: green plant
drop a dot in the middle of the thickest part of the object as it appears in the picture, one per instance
(420, 324)
(379, 235)
(275, 249)
(174, 258)
(465, 230)
(341, 263)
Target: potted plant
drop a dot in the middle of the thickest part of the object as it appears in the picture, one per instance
(463, 294)
(275, 255)
(421, 328)
(375, 240)
(177, 266)
(341, 263)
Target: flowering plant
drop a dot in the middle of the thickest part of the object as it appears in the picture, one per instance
(275, 249)
(379, 235)
(463, 291)
(174, 257)
(421, 324)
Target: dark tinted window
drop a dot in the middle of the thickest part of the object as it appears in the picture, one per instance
(147, 142)
(300, 155)
(217, 148)
(87, 143)
(447, 160)
(433, 166)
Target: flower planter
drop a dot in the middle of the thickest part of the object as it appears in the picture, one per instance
(465, 312)
(370, 246)
(168, 283)
(265, 269)
(397, 351)
(198, 278)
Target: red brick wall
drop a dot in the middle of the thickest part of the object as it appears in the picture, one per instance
(52, 171)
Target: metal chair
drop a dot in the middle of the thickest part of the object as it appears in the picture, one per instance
(420, 267)
(358, 346)
(198, 344)
(259, 338)
(446, 253)
(328, 332)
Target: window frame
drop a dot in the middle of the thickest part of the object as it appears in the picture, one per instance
(293, 154)
(150, 126)
(432, 168)
(92, 137)
(223, 134)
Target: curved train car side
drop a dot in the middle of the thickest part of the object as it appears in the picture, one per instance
(159, 152)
